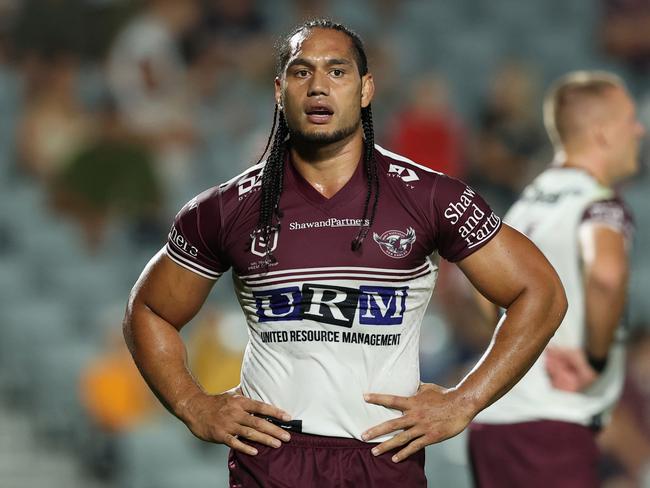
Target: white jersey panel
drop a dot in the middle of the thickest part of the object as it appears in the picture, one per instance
(289, 364)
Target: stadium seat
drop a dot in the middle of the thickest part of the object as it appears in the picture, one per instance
(55, 389)
(30, 327)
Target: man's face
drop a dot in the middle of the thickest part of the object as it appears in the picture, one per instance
(624, 133)
(320, 89)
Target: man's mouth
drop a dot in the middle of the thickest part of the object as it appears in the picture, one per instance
(319, 115)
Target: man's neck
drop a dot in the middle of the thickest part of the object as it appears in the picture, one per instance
(591, 164)
(328, 167)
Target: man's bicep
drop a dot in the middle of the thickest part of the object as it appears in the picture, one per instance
(506, 266)
(171, 291)
(604, 254)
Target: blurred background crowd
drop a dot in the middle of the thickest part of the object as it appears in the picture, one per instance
(114, 113)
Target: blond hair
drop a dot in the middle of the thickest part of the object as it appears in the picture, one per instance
(568, 93)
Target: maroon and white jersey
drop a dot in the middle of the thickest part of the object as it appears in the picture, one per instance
(327, 324)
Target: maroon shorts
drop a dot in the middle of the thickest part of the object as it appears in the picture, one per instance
(323, 462)
(538, 454)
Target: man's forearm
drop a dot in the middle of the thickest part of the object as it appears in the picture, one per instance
(159, 352)
(604, 307)
(519, 339)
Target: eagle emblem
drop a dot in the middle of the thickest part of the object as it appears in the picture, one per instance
(395, 243)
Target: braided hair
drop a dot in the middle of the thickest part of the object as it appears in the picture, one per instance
(273, 174)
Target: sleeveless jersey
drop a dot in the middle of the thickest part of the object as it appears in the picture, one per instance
(327, 324)
(550, 212)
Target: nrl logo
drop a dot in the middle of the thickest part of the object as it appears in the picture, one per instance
(395, 243)
(260, 247)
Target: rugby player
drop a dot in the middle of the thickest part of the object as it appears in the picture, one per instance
(334, 246)
(542, 433)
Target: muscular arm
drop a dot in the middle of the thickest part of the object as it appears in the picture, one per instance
(164, 299)
(511, 272)
(606, 274)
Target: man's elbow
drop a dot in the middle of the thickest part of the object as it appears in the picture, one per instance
(128, 323)
(608, 280)
(556, 300)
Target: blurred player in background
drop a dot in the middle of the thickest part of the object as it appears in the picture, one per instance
(542, 433)
(334, 244)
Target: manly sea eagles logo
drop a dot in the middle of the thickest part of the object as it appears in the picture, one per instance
(395, 243)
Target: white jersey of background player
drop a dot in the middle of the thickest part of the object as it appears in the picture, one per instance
(576, 219)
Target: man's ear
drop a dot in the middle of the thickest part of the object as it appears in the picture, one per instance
(367, 90)
(278, 92)
(599, 134)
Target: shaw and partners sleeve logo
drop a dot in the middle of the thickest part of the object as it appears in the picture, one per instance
(470, 219)
(336, 305)
(395, 243)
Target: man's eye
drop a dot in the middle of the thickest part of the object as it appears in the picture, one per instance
(337, 72)
(301, 73)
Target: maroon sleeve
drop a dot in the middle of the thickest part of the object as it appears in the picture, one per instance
(463, 221)
(612, 213)
(194, 239)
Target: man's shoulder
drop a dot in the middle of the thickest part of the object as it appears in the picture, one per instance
(412, 178)
(612, 212)
(229, 193)
(243, 185)
(406, 173)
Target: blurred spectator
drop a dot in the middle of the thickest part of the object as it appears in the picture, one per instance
(54, 124)
(116, 399)
(215, 361)
(113, 391)
(310, 9)
(506, 153)
(112, 178)
(149, 82)
(49, 24)
(427, 130)
(232, 66)
(624, 32)
(239, 30)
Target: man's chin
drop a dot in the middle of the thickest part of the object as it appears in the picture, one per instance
(322, 136)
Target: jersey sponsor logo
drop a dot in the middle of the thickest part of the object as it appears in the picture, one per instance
(245, 185)
(395, 243)
(336, 305)
(455, 210)
(177, 238)
(405, 174)
(260, 246)
(470, 219)
(331, 222)
(537, 194)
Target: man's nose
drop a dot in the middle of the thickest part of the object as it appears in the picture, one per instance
(318, 85)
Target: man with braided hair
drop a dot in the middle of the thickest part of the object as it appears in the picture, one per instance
(334, 244)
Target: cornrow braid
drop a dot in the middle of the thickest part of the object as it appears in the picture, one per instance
(272, 179)
(370, 166)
